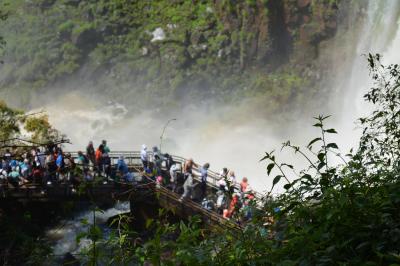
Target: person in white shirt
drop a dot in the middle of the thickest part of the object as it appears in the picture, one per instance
(144, 156)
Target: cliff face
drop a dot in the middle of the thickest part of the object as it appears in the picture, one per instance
(160, 51)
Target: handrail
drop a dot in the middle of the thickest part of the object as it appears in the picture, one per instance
(192, 205)
(132, 156)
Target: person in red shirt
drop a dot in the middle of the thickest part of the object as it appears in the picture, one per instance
(99, 158)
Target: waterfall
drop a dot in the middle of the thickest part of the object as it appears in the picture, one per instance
(377, 31)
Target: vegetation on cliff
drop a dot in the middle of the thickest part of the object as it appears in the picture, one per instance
(164, 51)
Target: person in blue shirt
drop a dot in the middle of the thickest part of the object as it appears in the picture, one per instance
(122, 166)
(60, 165)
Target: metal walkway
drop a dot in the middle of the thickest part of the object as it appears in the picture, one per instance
(126, 191)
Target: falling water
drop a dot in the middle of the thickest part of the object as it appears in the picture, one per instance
(379, 32)
(63, 237)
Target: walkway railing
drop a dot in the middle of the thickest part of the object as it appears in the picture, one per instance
(132, 158)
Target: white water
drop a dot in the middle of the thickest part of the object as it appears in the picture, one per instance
(63, 237)
(379, 32)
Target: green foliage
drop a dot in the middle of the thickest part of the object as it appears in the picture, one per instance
(41, 129)
(9, 121)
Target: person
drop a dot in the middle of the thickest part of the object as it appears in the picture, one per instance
(204, 174)
(144, 156)
(188, 167)
(156, 151)
(157, 164)
(231, 181)
(207, 204)
(60, 165)
(223, 173)
(122, 166)
(150, 172)
(221, 201)
(106, 148)
(82, 160)
(169, 161)
(222, 185)
(106, 162)
(233, 205)
(222, 179)
(187, 187)
(99, 158)
(243, 185)
(87, 175)
(40, 158)
(173, 172)
(37, 175)
(69, 165)
(8, 155)
(14, 178)
(91, 153)
(51, 168)
(25, 168)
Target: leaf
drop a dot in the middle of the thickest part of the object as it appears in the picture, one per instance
(325, 117)
(320, 165)
(313, 141)
(308, 177)
(80, 236)
(287, 186)
(149, 222)
(321, 156)
(332, 145)
(331, 130)
(288, 165)
(276, 180)
(317, 125)
(269, 168)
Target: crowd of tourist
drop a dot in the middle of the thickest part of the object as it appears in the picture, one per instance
(52, 166)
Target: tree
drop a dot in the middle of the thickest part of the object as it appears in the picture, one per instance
(40, 132)
(10, 120)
